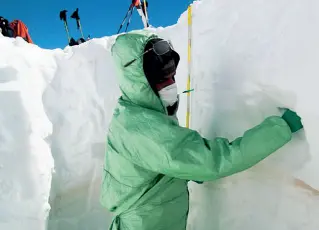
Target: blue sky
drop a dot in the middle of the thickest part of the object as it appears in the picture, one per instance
(98, 17)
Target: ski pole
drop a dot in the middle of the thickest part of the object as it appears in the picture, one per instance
(127, 13)
(64, 19)
(129, 20)
(67, 31)
(80, 27)
(75, 15)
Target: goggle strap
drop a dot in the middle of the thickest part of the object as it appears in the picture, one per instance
(159, 55)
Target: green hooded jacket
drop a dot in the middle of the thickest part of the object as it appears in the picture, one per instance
(150, 158)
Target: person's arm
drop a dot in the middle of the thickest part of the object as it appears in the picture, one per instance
(182, 153)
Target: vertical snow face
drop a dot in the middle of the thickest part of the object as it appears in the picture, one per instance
(248, 59)
(25, 157)
(79, 102)
(55, 107)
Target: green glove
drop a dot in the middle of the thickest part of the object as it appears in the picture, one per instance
(293, 120)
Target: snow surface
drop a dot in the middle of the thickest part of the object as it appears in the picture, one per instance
(249, 58)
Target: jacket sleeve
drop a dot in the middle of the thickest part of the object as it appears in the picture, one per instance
(182, 153)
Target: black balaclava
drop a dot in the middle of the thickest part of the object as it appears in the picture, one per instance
(157, 68)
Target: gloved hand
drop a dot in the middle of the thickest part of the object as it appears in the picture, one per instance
(293, 120)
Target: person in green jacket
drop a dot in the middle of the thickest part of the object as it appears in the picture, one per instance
(150, 158)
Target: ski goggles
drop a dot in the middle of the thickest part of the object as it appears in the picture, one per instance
(160, 48)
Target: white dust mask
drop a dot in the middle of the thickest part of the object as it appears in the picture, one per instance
(169, 95)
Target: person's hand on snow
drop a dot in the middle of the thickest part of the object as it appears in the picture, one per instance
(293, 120)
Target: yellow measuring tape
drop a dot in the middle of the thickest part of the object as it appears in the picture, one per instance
(189, 66)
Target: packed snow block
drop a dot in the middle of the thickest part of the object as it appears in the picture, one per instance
(54, 109)
(248, 59)
(17, 182)
(79, 102)
(7, 74)
(25, 163)
(25, 157)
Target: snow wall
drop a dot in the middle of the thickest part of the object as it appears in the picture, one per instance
(249, 58)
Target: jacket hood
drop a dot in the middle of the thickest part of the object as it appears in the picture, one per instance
(133, 83)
